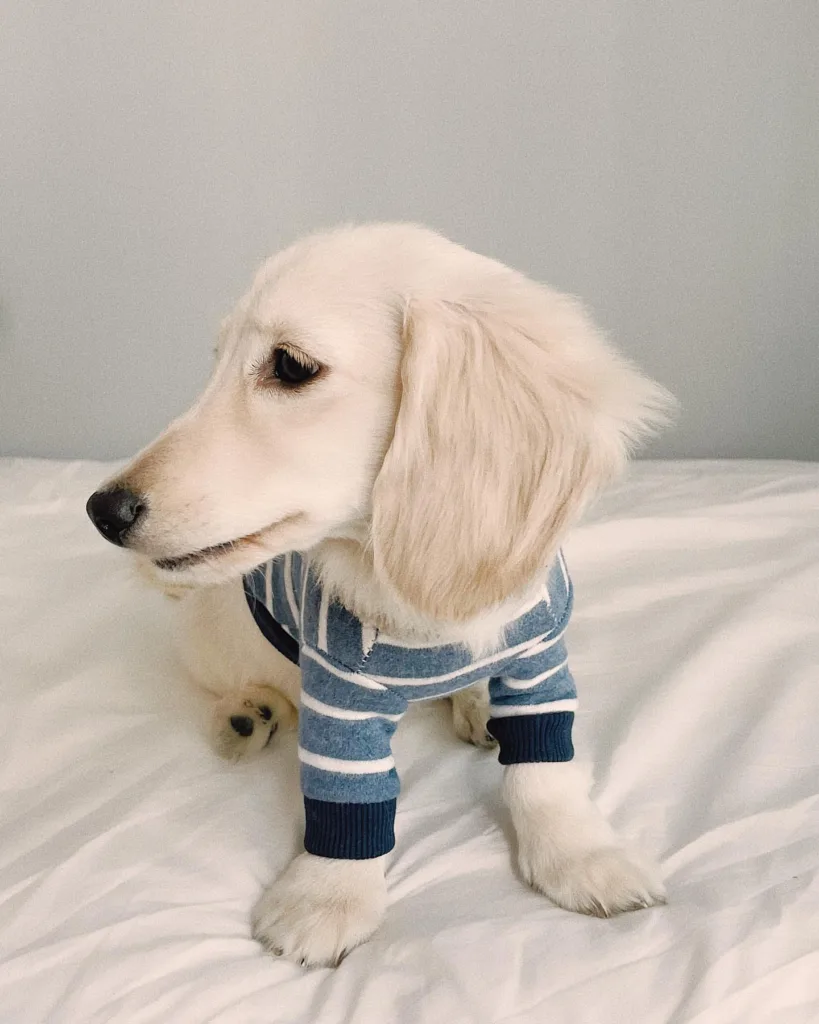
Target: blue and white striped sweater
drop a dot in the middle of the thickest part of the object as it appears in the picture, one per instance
(357, 682)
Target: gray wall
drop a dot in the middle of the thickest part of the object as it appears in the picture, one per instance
(657, 158)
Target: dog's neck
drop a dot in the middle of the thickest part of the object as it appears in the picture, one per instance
(346, 569)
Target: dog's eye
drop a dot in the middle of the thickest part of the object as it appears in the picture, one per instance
(290, 370)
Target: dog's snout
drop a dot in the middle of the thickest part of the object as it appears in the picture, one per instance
(115, 512)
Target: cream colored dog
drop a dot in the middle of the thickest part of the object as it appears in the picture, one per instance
(428, 424)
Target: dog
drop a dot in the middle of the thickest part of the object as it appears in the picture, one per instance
(403, 431)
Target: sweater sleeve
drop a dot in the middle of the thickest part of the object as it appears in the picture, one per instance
(533, 705)
(348, 776)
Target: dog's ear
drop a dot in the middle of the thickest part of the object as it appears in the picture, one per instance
(513, 414)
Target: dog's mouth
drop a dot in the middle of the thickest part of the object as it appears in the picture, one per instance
(202, 555)
(176, 563)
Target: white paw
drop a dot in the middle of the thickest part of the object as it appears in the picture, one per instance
(319, 909)
(566, 848)
(470, 713)
(601, 882)
(243, 723)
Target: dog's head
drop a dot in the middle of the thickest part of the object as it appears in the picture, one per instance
(383, 385)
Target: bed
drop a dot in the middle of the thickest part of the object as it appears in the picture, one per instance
(130, 855)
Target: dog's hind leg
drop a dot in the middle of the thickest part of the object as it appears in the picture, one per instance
(470, 712)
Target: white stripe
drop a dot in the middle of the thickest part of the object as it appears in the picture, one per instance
(305, 575)
(322, 621)
(268, 585)
(544, 645)
(511, 710)
(541, 595)
(563, 568)
(336, 764)
(351, 677)
(368, 638)
(288, 586)
(347, 714)
(509, 652)
(407, 645)
(527, 684)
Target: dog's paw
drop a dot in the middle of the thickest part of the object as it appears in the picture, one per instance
(243, 723)
(470, 713)
(602, 882)
(320, 909)
(566, 848)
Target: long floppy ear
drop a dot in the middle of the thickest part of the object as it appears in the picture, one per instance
(514, 412)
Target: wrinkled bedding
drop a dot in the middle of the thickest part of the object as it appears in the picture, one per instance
(130, 855)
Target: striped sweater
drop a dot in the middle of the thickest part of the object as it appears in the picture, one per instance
(357, 682)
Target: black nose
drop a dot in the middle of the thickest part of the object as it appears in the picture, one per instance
(115, 512)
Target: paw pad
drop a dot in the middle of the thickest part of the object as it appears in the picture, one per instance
(242, 724)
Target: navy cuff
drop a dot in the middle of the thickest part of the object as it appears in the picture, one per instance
(348, 831)
(527, 738)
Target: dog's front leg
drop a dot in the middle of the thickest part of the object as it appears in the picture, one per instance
(566, 848)
(320, 908)
(333, 896)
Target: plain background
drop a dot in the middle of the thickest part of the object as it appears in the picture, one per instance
(659, 159)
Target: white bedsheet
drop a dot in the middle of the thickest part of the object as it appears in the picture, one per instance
(130, 855)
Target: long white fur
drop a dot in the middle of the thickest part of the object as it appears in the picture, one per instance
(464, 419)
